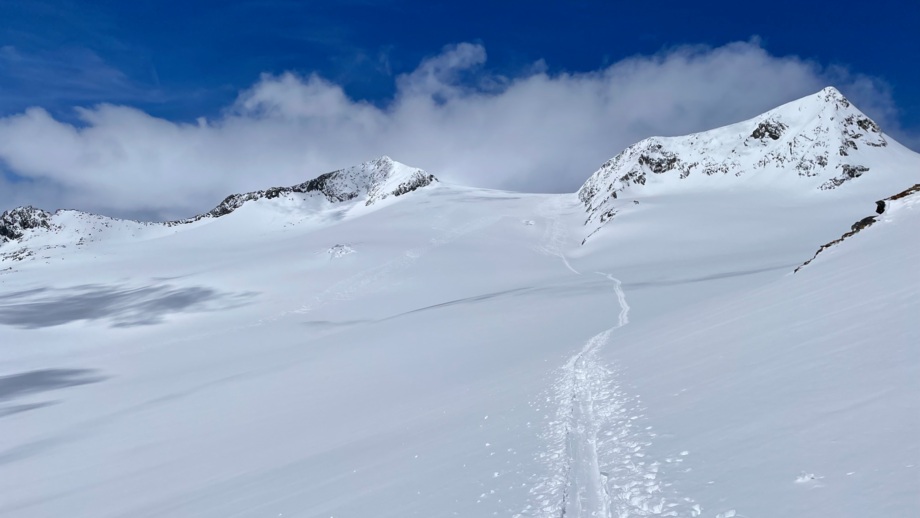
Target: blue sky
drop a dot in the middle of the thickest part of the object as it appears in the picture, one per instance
(171, 62)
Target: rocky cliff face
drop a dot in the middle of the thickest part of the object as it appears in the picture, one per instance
(13, 223)
(815, 142)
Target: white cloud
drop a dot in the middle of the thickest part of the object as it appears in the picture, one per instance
(451, 116)
(438, 77)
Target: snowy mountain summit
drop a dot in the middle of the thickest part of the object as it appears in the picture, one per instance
(364, 184)
(818, 142)
(375, 180)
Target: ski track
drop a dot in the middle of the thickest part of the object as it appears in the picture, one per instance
(554, 237)
(596, 450)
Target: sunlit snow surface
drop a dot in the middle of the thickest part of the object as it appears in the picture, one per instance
(468, 358)
(448, 351)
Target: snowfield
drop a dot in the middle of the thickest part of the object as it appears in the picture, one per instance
(452, 351)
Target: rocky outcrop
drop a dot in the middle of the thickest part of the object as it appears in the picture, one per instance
(769, 128)
(849, 172)
(816, 140)
(868, 221)
(375, 180)
(15, 222)
(369, 183)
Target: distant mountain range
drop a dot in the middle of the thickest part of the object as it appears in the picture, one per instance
(820, 142)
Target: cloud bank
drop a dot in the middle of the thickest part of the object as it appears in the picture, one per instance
(542, 132)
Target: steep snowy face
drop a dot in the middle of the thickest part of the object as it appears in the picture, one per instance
(373, 181)
(818, 142)
(13, 223)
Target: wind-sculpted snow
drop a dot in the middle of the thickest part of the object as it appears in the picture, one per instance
(818, 142)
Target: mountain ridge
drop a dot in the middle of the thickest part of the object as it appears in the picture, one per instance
(820, 142)
(909, 195)
(376, 180)
(822, 138)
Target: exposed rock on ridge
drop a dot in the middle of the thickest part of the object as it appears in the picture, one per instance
(377, 180)
(369, 182)
(816, 138)
(13, 223)
(880, 207)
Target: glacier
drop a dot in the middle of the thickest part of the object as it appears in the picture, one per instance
(379, 343)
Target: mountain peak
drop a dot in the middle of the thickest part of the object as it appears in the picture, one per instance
(831, 94)
(369, 182)
(820, 141)
(373, 180)
(828, 100)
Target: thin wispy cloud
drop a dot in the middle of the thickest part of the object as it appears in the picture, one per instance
(73, 75)
(537, 131)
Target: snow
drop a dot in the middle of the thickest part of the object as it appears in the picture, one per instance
(821, 142)
(459, 352)
(376, 182)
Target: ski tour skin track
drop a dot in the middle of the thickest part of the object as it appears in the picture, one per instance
(596, 456)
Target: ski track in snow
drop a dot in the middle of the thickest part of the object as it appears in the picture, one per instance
(596, 456)
(554, 237)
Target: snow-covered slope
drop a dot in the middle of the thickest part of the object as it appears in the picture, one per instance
(461, 353)
(369, 182)
(35, 233)
(798, 396)
(908, 196)
(820, 142)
